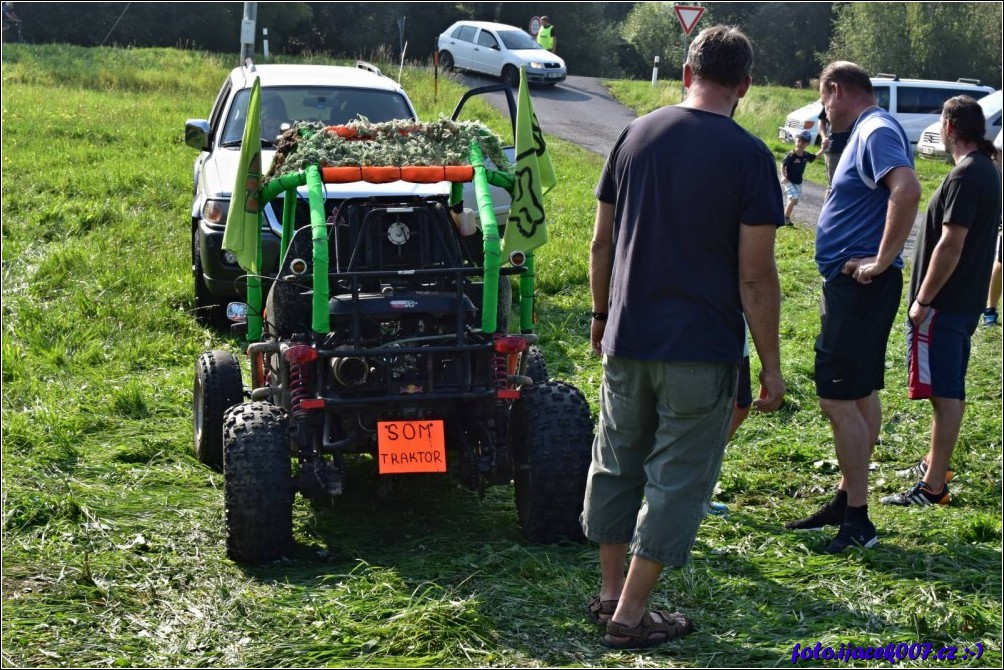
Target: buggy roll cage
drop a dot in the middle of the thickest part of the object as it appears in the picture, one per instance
(313, 177)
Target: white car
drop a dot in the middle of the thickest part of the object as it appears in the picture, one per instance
(916, 103)
(498, 50)
(931, 146)
(329, 94)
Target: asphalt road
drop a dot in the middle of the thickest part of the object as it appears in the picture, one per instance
(581, 110)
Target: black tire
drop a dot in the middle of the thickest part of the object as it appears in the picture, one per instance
(258, 489)
(551, 437)
(218, 387)
(209, 310)
(510, 75)
(536, 366)
(445, 61)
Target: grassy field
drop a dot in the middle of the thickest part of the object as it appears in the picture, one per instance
(113, 533)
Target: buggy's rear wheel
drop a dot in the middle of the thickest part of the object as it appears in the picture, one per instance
(536, 366)
(258, 488)
(218, 387)
(551, 435)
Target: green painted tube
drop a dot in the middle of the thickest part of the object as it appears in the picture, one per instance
(320, 319)
(276, 186)
(501, 179)
(493, 245)
(255, 302)
(456, 192)
(288, 219)
(526, 285)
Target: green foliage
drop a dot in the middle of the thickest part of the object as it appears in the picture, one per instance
(653, 29)
(932, 40)
(113, 533)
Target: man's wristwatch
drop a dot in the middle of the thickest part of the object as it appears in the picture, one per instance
(600, 316)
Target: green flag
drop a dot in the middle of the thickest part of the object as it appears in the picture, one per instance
(534, 176)
(243, 235)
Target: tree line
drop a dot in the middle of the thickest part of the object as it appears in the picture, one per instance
(932, 40)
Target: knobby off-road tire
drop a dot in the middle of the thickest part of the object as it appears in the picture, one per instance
(536, 366)
(258, 489)
(551, 439)
(218, 387)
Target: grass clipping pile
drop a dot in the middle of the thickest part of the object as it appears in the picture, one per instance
(402, 143)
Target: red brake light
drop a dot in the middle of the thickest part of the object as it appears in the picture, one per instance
(511, 344)
(299, 354)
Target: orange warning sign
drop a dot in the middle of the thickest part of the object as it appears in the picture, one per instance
(411, 446)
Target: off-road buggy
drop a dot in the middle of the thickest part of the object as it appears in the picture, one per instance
(384, 336)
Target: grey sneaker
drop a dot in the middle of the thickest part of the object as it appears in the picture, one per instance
(853, 535)
(919, 495)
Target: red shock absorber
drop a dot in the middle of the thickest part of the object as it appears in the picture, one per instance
(301, 376)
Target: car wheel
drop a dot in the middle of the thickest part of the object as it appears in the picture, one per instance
(209, 311)
(445, 61)
(510, 75)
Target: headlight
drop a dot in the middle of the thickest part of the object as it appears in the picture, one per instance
(535, 66)
(215, 211)
(808, 124)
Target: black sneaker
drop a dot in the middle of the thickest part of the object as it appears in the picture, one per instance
(787, 221)
(989, 317)
(919, 495)
(828, 515)
(853, 535)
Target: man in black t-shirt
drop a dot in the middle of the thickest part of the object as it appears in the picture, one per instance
(683, 247)
(951, 268)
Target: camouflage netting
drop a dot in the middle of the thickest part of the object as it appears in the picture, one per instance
(394, 143)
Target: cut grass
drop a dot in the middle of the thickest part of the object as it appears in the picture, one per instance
(113, 533)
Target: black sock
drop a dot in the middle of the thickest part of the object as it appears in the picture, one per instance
(839, 501)
(858, 515)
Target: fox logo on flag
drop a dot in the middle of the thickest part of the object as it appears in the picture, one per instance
(534, 176)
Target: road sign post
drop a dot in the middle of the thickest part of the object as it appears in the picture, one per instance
(689, 16)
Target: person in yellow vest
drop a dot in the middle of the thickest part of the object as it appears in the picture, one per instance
(545, 37)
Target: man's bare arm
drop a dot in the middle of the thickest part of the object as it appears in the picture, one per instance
(600, 268)
(904, 197)
(760, 291)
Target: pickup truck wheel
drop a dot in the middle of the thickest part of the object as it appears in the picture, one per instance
(551, 437)
(218, 387)
(258, 487)
(209, 311)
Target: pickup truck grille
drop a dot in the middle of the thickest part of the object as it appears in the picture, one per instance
(932, 138)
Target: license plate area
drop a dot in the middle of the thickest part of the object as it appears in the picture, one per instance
(405, 447)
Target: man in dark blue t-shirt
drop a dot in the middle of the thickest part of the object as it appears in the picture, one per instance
(683, 247)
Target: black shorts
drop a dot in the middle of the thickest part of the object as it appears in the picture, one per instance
(854, 331)
(744, 395)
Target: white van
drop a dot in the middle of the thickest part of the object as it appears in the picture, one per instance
(931, 146)
(916, 103)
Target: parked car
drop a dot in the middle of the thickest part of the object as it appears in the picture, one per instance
(930, 144)
(498, 50)
(916, 103)
(332, 95)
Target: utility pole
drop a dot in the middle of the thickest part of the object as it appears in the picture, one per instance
(248, 30)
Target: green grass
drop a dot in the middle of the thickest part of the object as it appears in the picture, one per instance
(113, 532)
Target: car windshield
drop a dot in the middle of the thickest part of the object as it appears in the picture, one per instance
(328, 105)
(518, 39)
(991, 104)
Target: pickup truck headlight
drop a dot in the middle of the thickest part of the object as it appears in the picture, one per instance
(215, 212)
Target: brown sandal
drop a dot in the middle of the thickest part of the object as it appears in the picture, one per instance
(649, 632)
(600, 611)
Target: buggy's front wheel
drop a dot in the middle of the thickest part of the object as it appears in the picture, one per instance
(551, 436)
(258, 487)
